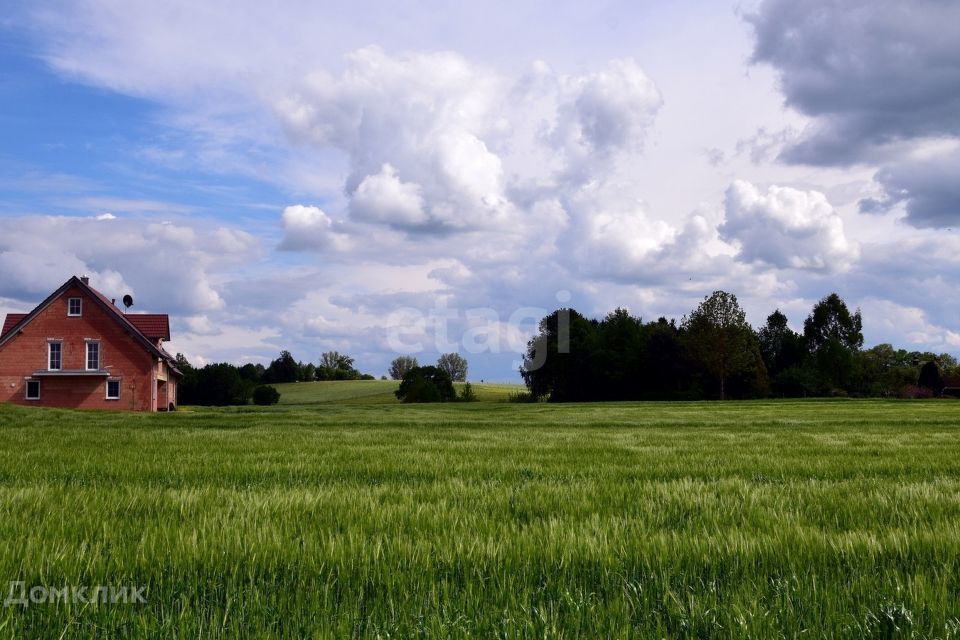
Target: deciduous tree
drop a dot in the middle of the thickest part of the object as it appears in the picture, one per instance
(719, 337)
(400, 366)
(833, 335)
(426, 384)
(454, 365)
(336, 366)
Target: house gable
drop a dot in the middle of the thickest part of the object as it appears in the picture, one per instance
(96, 349)
(157, 324)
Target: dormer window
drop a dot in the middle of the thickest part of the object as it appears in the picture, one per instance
(74, 307)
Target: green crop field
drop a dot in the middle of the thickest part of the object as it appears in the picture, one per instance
(374, 392)
(339, 518)
(344, 391)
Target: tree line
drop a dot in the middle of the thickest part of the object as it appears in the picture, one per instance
(714, 353)
(223, 384)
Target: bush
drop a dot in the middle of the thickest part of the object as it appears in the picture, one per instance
(467, 394)
(521, 396)
(345, 374)
(265, 395)
(426, 384)
(916, 392)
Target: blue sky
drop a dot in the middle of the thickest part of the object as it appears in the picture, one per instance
(384, 180)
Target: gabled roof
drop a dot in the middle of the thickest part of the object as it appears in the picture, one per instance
(155, 326)
(10, 322)
(111, 310)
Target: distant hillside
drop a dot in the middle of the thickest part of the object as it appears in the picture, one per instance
(373, 392)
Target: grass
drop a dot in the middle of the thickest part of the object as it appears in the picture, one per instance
(374, 392)
(349, 391)
(824, 519)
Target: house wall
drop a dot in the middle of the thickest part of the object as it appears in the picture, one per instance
(120, 354)
(167, 390)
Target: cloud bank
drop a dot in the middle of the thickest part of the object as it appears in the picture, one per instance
(414, 176)
(880, 82)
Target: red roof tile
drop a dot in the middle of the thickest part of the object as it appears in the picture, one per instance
(153, 325)
(11, 321)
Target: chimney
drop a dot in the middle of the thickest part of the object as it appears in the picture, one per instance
(113, 301)
(85, 279)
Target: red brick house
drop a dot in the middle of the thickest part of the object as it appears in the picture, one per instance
(78, 350)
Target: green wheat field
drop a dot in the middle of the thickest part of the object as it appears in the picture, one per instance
(343, 514)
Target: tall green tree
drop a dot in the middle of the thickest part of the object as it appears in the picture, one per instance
(335, 360)
(252, 372)
(930, 378)
(187, 388)
(783, 354)
(336, 366)
(831, 320)
(618, 356)
(719, 338)
(833, 336)
(781, 346)
(664, 370)
(284, 369)
(307, 372)
(559, 362)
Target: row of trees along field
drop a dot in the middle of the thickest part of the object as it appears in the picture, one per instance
(452, 364)
(715, 353)
(222, 384)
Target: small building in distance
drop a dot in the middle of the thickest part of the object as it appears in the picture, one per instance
(78, 350)
(951, 386)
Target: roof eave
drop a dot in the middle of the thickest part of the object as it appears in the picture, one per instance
(110, 309)
(40, 307)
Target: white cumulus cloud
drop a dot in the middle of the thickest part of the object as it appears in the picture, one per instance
(308, 227)
(786, 228)
(167, 267)
(384, 198)
(437, 143)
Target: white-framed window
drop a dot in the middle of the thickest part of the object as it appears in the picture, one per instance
(54, 355)
(93, 355)
(113, 389)
(32, 390)
(74, 306)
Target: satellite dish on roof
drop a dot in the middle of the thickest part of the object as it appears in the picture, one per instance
(128, 301)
